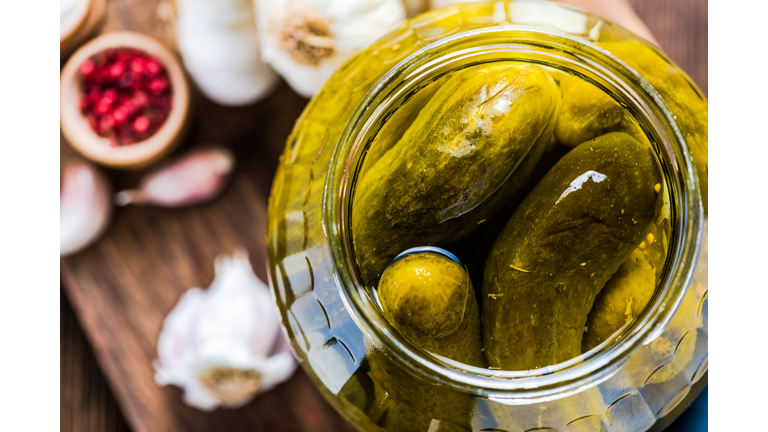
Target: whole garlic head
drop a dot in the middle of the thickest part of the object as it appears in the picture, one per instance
(224, 345)
(305, 41)
(219, 45)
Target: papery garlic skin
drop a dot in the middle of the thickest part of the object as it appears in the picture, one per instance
(220, 49)
(85, 207)
(224, 345)
(196, 177)
(306, 41)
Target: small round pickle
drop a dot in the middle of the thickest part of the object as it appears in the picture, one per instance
(429, 299)
(621, 300)
(469, 150)
(584, 112)
(560, 247)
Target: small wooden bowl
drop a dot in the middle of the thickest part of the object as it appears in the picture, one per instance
(81, 24)
(78, 132)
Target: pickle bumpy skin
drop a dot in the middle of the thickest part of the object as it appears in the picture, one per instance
(561, 246)
(585, 112)
(394, 128)
(469, 150)
(429, 299)
(621, 301)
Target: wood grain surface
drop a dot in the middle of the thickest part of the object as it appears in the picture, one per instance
(86, 401)
(123, 287)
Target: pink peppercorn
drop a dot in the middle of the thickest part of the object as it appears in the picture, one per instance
(158, 85)
(120, 115)
(86, 69)
(126, 95)
(153, 68)
(141, 124)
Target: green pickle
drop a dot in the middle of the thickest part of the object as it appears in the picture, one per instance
(394, 128)
(621, 301)
(470, 149)
(560, 247)
(585, 112)
(429, 299)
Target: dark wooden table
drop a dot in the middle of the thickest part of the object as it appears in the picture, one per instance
(256, 135)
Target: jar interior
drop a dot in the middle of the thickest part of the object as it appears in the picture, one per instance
(398, 98)
(388, 127)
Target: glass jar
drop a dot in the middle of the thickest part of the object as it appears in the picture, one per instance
(641, 380)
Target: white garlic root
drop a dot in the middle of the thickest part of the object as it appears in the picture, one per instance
(305, 41)
(85, 207)
(220, 48)
(224, 345)
(196, 177)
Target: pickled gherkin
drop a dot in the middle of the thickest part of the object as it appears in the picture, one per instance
(428, 298)
(585, 112)
(621, 301)
(394, 128)
(559, 248)
(468, 151)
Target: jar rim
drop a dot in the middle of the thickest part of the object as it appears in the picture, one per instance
(572, 376)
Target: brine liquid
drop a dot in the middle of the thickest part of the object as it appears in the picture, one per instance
(473, 249)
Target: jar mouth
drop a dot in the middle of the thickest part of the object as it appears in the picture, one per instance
(545, 47)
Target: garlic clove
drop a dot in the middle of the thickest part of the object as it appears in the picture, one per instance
(224, 345)
(307, 41)
(196, 177)
(220, 49)
(85, 208)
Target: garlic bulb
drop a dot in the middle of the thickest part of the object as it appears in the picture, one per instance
(84, 208)
(224, 345)
(220, 49)
(305, 41)
(196, 177)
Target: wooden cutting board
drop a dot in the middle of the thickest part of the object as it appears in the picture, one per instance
(124, 286)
